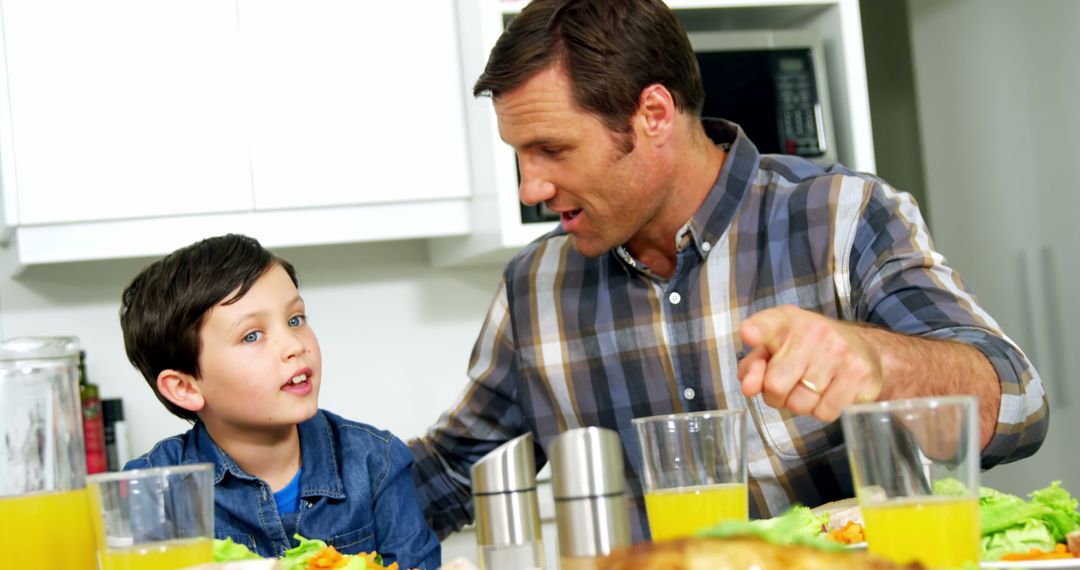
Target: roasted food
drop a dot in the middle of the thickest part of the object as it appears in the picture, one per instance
(740, 553)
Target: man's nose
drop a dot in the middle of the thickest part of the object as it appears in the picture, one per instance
(534, 187)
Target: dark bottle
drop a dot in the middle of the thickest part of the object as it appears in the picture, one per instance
(93, 421)
(117, 447)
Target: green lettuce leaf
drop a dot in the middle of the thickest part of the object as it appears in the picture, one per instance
(1032, 533)
(988, 496)
(950, 487)
(1062, 517)
(797, 525)
(1011, 524)
(227, 550)
(997, 517)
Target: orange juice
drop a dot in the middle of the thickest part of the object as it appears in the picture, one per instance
(48, 530)
(940, 532)
(675, 513)
(166, 555)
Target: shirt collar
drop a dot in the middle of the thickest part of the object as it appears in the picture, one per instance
(716, 213)
(320, 454)
(323, 477)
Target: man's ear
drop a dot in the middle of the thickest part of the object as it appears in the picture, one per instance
(656, 112)
(181, 389)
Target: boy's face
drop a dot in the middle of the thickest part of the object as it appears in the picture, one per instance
(260, 362)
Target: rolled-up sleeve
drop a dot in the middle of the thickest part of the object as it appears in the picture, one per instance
(898, 281)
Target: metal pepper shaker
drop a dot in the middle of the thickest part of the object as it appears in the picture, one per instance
(507, 512)
(591, 507)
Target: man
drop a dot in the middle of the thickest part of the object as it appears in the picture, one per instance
(692, 273)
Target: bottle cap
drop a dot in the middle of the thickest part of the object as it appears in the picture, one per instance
(113, 409)
(510, 467)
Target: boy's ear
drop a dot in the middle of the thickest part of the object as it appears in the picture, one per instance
(181, 389)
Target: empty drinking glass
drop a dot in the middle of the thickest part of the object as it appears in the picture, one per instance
(148, 519)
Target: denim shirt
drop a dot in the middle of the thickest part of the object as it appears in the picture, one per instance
(356, 493)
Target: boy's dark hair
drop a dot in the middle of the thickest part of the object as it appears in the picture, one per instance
(611, 51)
(163, 309)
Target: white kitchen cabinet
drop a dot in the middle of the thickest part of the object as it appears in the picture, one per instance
(133, 127)
(121, 109)
(354, 102)
(497, 229)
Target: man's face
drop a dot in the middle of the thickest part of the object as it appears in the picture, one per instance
(260, 361)
(576, 166)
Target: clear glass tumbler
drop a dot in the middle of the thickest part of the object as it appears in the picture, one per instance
(150, 519)
(694, 470)
(915, 464)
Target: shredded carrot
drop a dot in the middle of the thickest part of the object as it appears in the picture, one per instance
(851, 533)
(372, 565)
(327, 557)
(1059, 551)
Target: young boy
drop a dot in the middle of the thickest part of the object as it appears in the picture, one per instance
(218, 330)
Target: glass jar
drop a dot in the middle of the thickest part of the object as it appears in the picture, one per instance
(44, 507)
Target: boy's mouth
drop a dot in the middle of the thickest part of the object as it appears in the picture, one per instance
(299, 382)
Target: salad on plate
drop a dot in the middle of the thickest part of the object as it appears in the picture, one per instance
(1040, 532)
(310, 554)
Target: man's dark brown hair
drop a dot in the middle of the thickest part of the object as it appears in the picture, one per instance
(163, 309)
(611, 51)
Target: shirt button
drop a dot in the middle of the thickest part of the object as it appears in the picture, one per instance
(689, 393)
(706, 246)
(674, 297)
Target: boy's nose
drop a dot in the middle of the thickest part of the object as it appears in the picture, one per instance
(292, 346)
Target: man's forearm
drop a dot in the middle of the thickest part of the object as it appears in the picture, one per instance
(914, 367)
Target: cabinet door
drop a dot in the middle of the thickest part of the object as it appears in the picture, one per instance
(124, 108)
(354, 102)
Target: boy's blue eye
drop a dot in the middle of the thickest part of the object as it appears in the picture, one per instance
(297, 321)
(252, 336)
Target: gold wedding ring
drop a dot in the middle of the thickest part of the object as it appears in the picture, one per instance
(810, 386)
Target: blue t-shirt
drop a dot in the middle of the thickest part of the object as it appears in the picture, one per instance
(356, 493)
(288, 498)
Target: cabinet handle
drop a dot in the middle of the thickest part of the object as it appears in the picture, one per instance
(1054, 325)
(1042, 317)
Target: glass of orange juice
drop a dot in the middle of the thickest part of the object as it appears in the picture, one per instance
(154, 519)
(44, 510)
(694, 470)
(915, 464)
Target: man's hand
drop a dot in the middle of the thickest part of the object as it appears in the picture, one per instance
(807, 363)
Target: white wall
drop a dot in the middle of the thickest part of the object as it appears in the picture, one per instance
(396, 334)
(996, 84)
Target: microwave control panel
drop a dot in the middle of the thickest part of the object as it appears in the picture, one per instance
(797, 106)
(773, 93)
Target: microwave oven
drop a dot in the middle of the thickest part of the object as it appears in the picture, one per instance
(771, 82)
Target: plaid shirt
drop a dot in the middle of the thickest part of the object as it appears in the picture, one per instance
(574, 341)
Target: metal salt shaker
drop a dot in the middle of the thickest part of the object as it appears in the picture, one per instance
(507, 512)
(591, 507)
